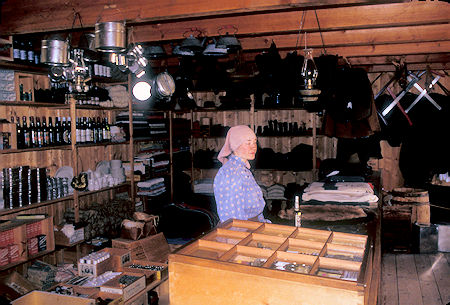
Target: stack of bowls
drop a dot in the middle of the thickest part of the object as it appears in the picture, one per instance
(117, 171)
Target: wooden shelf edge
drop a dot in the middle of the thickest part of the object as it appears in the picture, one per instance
(34, 104)
(18, 151)
(50, 202)
(87, 193)
(22, 261)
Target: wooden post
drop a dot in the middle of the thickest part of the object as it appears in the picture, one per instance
(192, 150)
(73, 140)
(314, 145)
(171, 154)
(131, 143)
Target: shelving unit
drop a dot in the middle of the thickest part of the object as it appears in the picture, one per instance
(322, 146)
(80, 157)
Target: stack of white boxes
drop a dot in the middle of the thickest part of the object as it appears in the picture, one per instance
(7, 88)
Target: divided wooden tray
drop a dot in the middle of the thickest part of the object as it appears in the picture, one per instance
(251, 254)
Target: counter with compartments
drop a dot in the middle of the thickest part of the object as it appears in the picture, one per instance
(245, 262)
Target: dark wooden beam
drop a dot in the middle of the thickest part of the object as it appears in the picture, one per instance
(28, 16)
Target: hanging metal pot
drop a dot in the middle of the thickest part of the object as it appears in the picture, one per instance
(55, 52)
(110, 37)
(229, 42)
(192, 44)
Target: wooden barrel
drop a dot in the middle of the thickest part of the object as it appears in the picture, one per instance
(418, 199)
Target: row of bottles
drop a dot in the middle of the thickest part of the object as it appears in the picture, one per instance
(40, 134)
(90, 130)
(23, 51)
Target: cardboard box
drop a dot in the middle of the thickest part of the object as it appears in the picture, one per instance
(46, 298)
(150, 275)
(113, 286)
(62, 240)
(153, 248)
(95, 269)
(15, 285)
(120, 257)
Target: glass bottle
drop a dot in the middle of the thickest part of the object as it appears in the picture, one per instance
(26, 133)
(33, 138)
(39, 135)
(45, 134)
(51, 132)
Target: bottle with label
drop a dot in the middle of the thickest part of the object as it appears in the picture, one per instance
(51, 132)
(19, 132)
(23, 52)
(64, 132)
(16, 50)
(39, 134)
(99, 130)
(78, 131)
(33, 137)
(45, 134)
(297, 212)
(69, 130)
(26, 133)
(107, 132)
(88, 130)
(83, 130)
(30, 52)
(58, 133)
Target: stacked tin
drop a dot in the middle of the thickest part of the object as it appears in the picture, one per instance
(57, 187)
(22, 186)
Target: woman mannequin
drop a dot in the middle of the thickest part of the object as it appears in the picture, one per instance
(236, 192)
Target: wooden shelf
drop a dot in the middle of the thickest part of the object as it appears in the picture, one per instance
(49, 202)
(101, 144)
(40, 254)
(34, 104)
(24, 67)
(97, 107)
(18, 151)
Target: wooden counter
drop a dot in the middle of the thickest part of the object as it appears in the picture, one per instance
(244, 262)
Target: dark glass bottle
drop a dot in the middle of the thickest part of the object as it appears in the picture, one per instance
(30, 52)
(51, 132)
(69, 130)
(64, 133)
(45, 134)
(16, 50)
(20, 140)
(39, 134)
(99, 130)
(83, 130)
(58, 133)
(26, 133)
(33, 138)
(23, 51)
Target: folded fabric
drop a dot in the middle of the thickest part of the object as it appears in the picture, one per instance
(344, 192)
(149, 183)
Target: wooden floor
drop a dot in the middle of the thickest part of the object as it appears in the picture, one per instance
(415, 279)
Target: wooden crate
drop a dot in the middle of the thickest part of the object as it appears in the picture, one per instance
(45, 298)
(271, 264)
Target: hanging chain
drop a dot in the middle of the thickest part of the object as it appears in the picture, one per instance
(300, 28)
(320, 31)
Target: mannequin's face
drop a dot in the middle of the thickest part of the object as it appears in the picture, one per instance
(247, 150)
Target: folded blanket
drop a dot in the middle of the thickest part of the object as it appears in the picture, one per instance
(342, 192)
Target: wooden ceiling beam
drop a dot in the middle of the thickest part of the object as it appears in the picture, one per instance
(410, 34)
(366, 17)
(30, 16)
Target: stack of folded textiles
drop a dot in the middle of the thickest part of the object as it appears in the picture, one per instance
(153, 187)
(341, 193)
(204, 186)
(276, 192)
